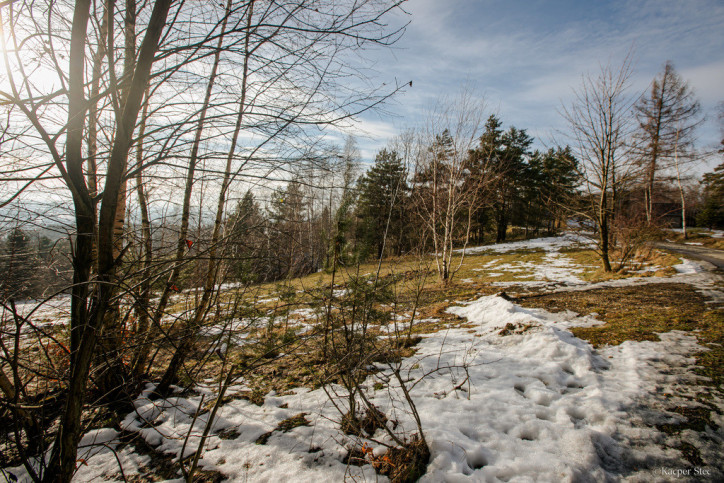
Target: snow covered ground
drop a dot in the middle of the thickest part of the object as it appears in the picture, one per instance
(514, 397)
(555, 269)
(548, 244)
(539, 405)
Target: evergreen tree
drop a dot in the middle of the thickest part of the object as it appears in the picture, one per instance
(381, 207)
(511, 166)
(503, 156)
(712, 212)
(19, 265)
(432, 183)
(289, 255)
(247, 241)
(484, 160)
(533, 182)
(434, 174)
(559, 178)
(340, 252)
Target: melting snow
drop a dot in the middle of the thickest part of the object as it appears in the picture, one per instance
(688, 266)
(537, 404)
(553, 243)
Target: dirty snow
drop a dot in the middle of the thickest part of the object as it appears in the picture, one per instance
(539, 405)
(689, 266)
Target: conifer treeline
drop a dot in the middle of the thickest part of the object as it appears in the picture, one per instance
(378, 215)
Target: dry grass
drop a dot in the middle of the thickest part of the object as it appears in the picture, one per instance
(278, 359)
(631, 313)
(285, 426)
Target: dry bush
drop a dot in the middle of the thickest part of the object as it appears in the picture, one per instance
(631, 239)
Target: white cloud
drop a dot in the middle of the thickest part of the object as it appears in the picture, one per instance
(707, 81)
(527, 57)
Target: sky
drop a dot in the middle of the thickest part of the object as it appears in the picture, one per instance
(526, 56)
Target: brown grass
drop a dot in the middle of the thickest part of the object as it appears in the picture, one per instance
(696, 235)
(630, 313)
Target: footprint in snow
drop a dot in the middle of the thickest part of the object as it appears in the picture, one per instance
(476, 459)
(537, 392)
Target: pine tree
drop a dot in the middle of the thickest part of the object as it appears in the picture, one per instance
(247, 241)
(289, 255)
(712, 213)
(484, 161)
(511, 166)
(504, 157)
(560, 178)
(383, 192)
(20, 264)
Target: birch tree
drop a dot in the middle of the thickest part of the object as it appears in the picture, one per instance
(443, 193)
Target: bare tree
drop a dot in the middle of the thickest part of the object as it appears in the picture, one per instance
(445, 194)
(600, 122)
(281, 71)
(667, 119)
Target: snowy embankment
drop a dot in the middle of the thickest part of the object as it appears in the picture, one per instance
(512, 397)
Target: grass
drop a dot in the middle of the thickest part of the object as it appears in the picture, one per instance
(642, 312)
(285, 426)
(292, 360)
(637, 313)
(631, 313)
(511, 266)
(295, 361)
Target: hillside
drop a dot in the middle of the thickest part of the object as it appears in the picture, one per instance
(533, 364)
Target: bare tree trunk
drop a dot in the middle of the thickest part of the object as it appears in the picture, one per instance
(600, 120)
(111, 380)
(62, 461)
(681, 188)
(604, 238)
(181, 245)
(86, 327)
(143, 304)
(192, 327)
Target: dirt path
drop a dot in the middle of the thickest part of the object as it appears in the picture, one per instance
(711, 255)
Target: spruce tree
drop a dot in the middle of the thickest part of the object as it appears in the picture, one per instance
(247, 241)
(712, 213)
(20, 264)
(484, 160)
(383, 192)
(560, 178)
(511, 166)
(288, 252)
